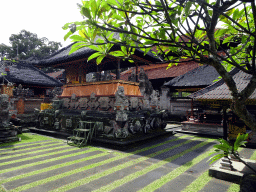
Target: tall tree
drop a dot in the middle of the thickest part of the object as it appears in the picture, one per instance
(178, 29)
(27, 44)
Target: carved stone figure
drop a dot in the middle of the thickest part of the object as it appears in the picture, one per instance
(73, 102)
(145, 85)
(105, 76)
(121, 99)
(154, 98)
(66, 103)
(4, 110)
(82, 102)
(134, 103)
(104, 103)
(133, 76)
(94, 104)
(165, 99)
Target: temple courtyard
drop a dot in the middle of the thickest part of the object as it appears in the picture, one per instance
(174, 162)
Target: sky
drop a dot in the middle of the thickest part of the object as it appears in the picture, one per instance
(45, 18)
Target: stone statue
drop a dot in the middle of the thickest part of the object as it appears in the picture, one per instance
(133, 76)
(154, 98)
(4, 111)
(121, 99)
(145, 85)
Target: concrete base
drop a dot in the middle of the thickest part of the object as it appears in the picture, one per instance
(232, 176)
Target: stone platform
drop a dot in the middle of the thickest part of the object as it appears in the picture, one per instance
(232, 176)
(170, 129)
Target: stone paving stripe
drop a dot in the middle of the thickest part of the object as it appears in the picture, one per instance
(56, 162)
(234, 188)
(117, 168)
(177, 183)
(25, 148)
(44, 161)
(176, 172)
(22, 157)
(115, 175)
(39, 149)
(21, 144)
(124, 180)
(120, 156)
(199, 183)
(60, 170)
(216, 185)
(34, 159)
(56, 165)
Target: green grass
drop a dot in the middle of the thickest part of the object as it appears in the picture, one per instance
(2, 189)
(117, 156)
(27, 138)
(126, 165)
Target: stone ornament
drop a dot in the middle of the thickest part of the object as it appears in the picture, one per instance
(82, 103)
(121, 99)
(165, 99)
(66, 103)
(4, 110)
(133, 76)
(154, 99)
(104, 103)
(94, 104)
(134, 103)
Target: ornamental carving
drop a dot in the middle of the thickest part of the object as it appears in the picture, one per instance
(82, 102)
(66, 103)
(104, 103)
(134, 103)
(73, 102)
(121, 99)
(94, 104)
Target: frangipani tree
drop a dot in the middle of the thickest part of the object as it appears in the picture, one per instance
(194, 30)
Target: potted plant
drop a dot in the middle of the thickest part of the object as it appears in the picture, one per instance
(228, 149)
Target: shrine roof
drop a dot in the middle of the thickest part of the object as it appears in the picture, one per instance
(63, 56)
(200, 76)
(158, 71)
(24, 73)
(220, 91)
(56, 74)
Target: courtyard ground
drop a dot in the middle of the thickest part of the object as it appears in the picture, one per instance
(167, 163)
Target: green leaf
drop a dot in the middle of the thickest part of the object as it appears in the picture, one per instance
(99, 59)
(77, 38)
(117, 53)
(94, 55)
(216, 157)
(124, 50)
(75, 48)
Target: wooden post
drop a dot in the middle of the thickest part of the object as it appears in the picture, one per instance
(118, 70)
(225, 127)
(136, 72)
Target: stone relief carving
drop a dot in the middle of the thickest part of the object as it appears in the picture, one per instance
(94, 104)
(82, 102)
(165, 99)
(134, 103)
(66, 103)
(73, 102)
(154, 98)
(121, 99)
(104, 103)
(4, 110)
(133, 76)
(145, 85)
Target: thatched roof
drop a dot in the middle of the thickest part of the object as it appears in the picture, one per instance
(62, 57)
(24, 73)
(198, 77)
(220, 91)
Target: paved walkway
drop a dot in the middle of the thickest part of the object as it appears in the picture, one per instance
(171, 163)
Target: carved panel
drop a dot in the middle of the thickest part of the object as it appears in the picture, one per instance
(82, 102)
(104, 103)
(94, 104)
(134, 103)
(66, 103)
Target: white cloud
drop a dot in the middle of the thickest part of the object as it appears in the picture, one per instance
(45, 18)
